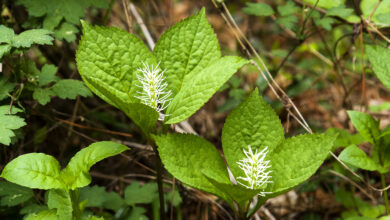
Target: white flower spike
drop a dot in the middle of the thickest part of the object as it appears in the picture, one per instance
(153, 87)
(255, 168)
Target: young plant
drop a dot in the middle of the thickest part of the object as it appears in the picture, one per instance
(169, 84)
(379, 160)
(262, 161)
(41, 171)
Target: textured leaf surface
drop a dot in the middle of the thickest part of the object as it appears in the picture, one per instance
(70, 89)
(380, 60)
(253, 123)
(198, 88)
(259, 9)
(296, 159)
(108, 59)
(34, 170)
(46, 214)
(185, 156)
(358, 158)
(5, 87)
(43, 96)
(71, 10)
(366, 125)
(188, 46)
(76, 173)
(34, 36)
(136, 194)
(98, 197)
(61, 201)
(8, 123)
(47, 74)
(12, 194)
(6, 34)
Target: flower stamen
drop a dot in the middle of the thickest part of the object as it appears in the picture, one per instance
(153, 92)
(255, 169)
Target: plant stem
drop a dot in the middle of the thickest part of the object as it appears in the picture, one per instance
(159, 182)
(74, 196)
(383, 181)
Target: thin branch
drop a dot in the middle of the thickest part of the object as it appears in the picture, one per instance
(128, 17)
(144, 29)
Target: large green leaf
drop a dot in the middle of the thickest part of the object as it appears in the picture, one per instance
(61, 200)
(34, 170)
(188, 46)
(358, 158)
(380, 60)
(296, 159)
(366, 125)
(252, 123)
(12, 194)
(108, 59)
(76, 173)
(198, 87)
(185, 156)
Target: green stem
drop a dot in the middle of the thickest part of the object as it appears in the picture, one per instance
(159, 182)
(383, 181)
(74, 196)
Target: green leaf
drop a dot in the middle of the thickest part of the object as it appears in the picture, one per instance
(187, 47)
(288, 21)
(237, 193)
(197, 88)
(383, 9)
(136, 194)
(76, 173)
(5, 87)
(325, 4)
(32, 208)
(6, 34)
(43, 96)
(296, 159)
(366, 125)
(60, 199)
(185, 156)
(34, 36)
(288, 9)
(259, 9)
(380, 61)
(358, 158)
(107, 60)
(137, 213)
(339, 11)
(47, 74)
(71, 10)
(113, 201)
(4, 49)
(252, 123)
(46, 215)
(12, 194)
(95, 195)
(325, 22)
(8, 123)
(34, 170)
(70, 89)
(67, 31)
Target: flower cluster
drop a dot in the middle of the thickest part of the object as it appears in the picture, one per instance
(255, 168)
(153, 92)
